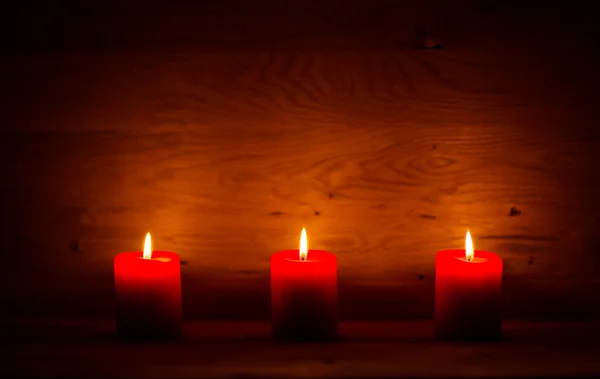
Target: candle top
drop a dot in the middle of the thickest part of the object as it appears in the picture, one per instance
(312, 260)
(469, 254)
(161, 262)
(472, 260)
(315, 257)
(159, 259)
(147, 253)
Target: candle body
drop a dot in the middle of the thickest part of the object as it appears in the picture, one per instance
(468, 295)
(304, 296)
(148, 295)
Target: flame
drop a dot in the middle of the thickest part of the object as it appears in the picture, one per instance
(470, 253)
(303, 245)
(148, 247)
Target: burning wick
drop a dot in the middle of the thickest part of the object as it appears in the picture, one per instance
(470, 253)
(303, 246)
(148, 247)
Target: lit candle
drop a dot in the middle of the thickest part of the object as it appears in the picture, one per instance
(468, 293)
(148, 291)
(304, 294)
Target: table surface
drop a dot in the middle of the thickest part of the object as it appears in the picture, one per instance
(88, 348)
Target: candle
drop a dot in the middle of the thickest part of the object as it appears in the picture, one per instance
(304, 299)
(468, 291)
(148, 291)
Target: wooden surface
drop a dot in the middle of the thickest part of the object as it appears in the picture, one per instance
(225, 129)
(88, 349)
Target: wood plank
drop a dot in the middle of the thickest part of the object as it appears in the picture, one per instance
(386, 153)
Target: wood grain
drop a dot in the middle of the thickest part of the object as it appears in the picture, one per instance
(87, 349)
(225, 150)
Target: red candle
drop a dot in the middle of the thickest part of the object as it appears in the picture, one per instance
(304, 299)
(468, 291)
(148, 290)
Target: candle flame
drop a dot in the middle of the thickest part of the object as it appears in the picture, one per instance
(303, 245)
(148, 247)
(470, 253)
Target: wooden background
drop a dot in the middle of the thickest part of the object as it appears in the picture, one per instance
(224, 127)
